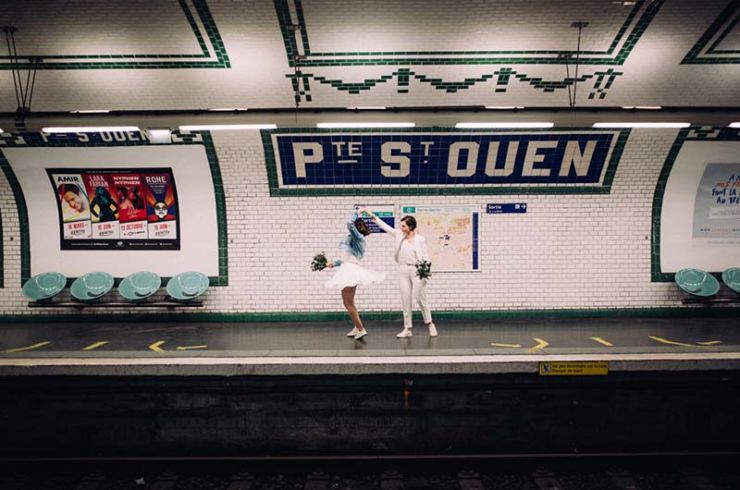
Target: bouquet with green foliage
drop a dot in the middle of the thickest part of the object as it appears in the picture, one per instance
(319, 262)
(424, 269)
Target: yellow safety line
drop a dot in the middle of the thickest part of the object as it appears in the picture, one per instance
(602, 341)
(96, 345)
(541, 344)
(710, 342)
(155, 346)
(30, 347)
(191, 347)
(669, 342)
(513, 346)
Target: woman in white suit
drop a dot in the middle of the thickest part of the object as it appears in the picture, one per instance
(409, 248)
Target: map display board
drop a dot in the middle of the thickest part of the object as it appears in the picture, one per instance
(452, 235)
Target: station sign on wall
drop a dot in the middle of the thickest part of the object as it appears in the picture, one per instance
(457, 162)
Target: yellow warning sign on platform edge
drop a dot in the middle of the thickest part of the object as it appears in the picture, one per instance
(574, 368)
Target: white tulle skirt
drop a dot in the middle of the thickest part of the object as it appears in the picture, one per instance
(350, 274)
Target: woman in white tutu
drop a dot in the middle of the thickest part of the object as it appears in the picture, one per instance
(350, 273)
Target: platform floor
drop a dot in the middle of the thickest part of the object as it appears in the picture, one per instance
(520, 343)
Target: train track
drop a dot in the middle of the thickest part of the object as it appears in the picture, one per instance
(716, 471)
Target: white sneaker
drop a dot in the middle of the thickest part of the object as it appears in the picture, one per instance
(361, 334)
(432, 330)
(353, 332)
(405, 333)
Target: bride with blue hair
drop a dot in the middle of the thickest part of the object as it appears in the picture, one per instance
(350, 274)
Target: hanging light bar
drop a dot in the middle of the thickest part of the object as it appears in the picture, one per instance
(618, 125)
(88, 129)
(225, 127)
(503, 125)
(335, 125)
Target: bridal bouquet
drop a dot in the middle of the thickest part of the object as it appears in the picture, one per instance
(424, 269)
(319, 262)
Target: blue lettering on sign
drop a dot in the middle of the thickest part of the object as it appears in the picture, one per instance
(515, 207)
(442, 159)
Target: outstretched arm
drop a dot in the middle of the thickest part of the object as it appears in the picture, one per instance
(382, 224)
(352, 228)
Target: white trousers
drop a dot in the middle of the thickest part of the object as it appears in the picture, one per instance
(413, 288)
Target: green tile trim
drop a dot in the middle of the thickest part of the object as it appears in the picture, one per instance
(695, 56)
(611, 170)
(201, 137)
(221, 219)
(606, 57)
(341, 316)
(713, 48)
(503, 77)
(275, 191)
(270, 162)
(656, 275)
(136, 61)
(20, 202)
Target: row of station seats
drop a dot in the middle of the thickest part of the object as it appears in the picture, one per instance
(702, 284)
(135, 288)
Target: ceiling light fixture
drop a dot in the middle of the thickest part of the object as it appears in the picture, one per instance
(735, 125)
(91, 111)
(228, 109)
(642, 107)
(335, 125)
(366, 108)
(89, 129)
(503, 125)
(504, 107)
(225, 127)
(617, 125)
(160, 135)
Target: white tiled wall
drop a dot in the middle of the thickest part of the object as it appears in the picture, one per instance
(566, 252)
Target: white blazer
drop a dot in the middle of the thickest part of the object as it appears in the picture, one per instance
(420, 243)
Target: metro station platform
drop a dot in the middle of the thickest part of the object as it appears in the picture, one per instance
(304, 389)
(321, 347)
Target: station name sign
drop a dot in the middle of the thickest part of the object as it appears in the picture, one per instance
(450, 160)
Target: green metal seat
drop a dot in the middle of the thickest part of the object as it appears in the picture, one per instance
(731, 278)
(697, 282)
(139, 286)
(91, 286)
(187, 286)
(44, 286)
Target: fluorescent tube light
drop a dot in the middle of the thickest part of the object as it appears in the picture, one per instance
(642, 107)
(228, 109)
(225, 127)
(504, 107)
(735, 125)
(499, 125)
(88, 129)
(91, 111)
(367, 108)
(617, 125)
(334, 125)
(162, 135)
